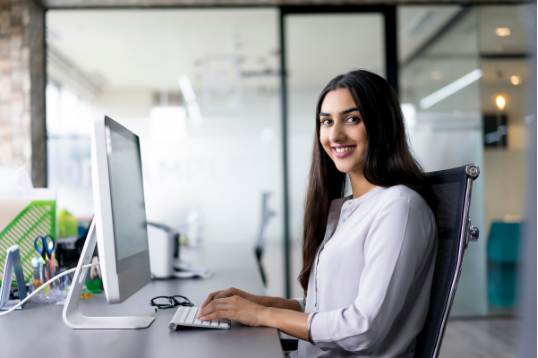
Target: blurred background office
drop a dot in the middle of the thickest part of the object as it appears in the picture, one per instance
(223, 99)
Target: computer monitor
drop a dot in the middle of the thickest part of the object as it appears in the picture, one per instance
(119, 227)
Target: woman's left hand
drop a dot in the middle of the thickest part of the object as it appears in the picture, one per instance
(235, 308)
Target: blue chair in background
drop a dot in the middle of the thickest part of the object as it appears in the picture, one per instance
(503, 253)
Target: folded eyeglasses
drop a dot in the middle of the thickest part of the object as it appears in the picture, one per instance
(164, 302)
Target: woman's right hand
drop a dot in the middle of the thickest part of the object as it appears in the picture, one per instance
(275, 302)
(229, 292)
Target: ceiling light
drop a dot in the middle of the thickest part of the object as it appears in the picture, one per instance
(500, 101)
(502, 31)
(450, 89)
(516, 80)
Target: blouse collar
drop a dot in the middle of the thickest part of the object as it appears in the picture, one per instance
(361, 199)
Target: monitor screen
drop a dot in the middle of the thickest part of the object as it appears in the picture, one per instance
(127, 194)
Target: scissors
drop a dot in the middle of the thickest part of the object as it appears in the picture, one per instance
(45, 246)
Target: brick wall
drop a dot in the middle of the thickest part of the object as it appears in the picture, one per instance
(22, 87)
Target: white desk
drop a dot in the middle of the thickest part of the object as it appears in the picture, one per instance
(38, 330)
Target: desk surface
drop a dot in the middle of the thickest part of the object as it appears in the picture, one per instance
(39, 328)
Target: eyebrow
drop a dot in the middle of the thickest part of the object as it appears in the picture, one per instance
(322, 114)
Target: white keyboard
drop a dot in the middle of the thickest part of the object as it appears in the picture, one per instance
(186, 316)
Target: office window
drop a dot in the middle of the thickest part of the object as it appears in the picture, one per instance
(200, 88)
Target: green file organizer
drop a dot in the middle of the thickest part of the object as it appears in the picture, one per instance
(37, 218)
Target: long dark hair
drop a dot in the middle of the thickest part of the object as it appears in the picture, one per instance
(388, 160)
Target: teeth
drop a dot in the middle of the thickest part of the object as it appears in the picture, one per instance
(342, 150)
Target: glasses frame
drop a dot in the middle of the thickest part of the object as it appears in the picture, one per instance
(173, 302)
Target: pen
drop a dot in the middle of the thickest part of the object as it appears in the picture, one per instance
(37, 272)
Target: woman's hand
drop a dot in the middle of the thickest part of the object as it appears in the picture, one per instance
(234, 307)
(275, 302)
(253, 310)
(229, 293)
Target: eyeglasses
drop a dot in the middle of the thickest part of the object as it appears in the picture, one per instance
(164, 302)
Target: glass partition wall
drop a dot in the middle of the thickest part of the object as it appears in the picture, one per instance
(463, 74)
(339, 43)
(440, 96)
(200, 88)
(504, 48)
(219, 110)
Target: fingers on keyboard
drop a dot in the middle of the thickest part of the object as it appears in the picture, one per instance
(187, 316)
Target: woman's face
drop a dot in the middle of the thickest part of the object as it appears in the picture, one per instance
(342, 132)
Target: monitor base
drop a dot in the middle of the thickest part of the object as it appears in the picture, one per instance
(71, 314)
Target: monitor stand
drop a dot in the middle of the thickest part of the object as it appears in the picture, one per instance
(71, 314)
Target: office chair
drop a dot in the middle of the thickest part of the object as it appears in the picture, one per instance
(453, 190)
(265, 230)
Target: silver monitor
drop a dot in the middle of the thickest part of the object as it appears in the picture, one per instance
(119, 227)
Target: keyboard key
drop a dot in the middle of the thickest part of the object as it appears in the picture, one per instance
(179, 313)
(191, 316)
(184, 314)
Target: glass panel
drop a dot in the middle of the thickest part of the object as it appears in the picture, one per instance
(507, 77)
(200, 88)
(440, 95)
(318, 48)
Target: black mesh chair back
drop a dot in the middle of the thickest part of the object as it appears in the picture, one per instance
(453, 190)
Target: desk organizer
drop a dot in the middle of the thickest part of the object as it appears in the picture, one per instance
(22, 219)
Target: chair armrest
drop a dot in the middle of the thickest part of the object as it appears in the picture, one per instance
(289, 344)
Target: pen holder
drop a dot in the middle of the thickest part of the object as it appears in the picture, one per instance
(56, 291)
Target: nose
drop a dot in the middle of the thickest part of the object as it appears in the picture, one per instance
(337, 133)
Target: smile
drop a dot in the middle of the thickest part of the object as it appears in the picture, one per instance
(343, 150)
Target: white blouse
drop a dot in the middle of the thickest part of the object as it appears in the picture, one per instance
(369, 289)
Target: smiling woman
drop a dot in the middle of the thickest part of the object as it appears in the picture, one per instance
(361, 108)
(343, 134)
(368, 258)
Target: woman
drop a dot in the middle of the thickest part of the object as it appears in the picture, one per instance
(367, 280)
